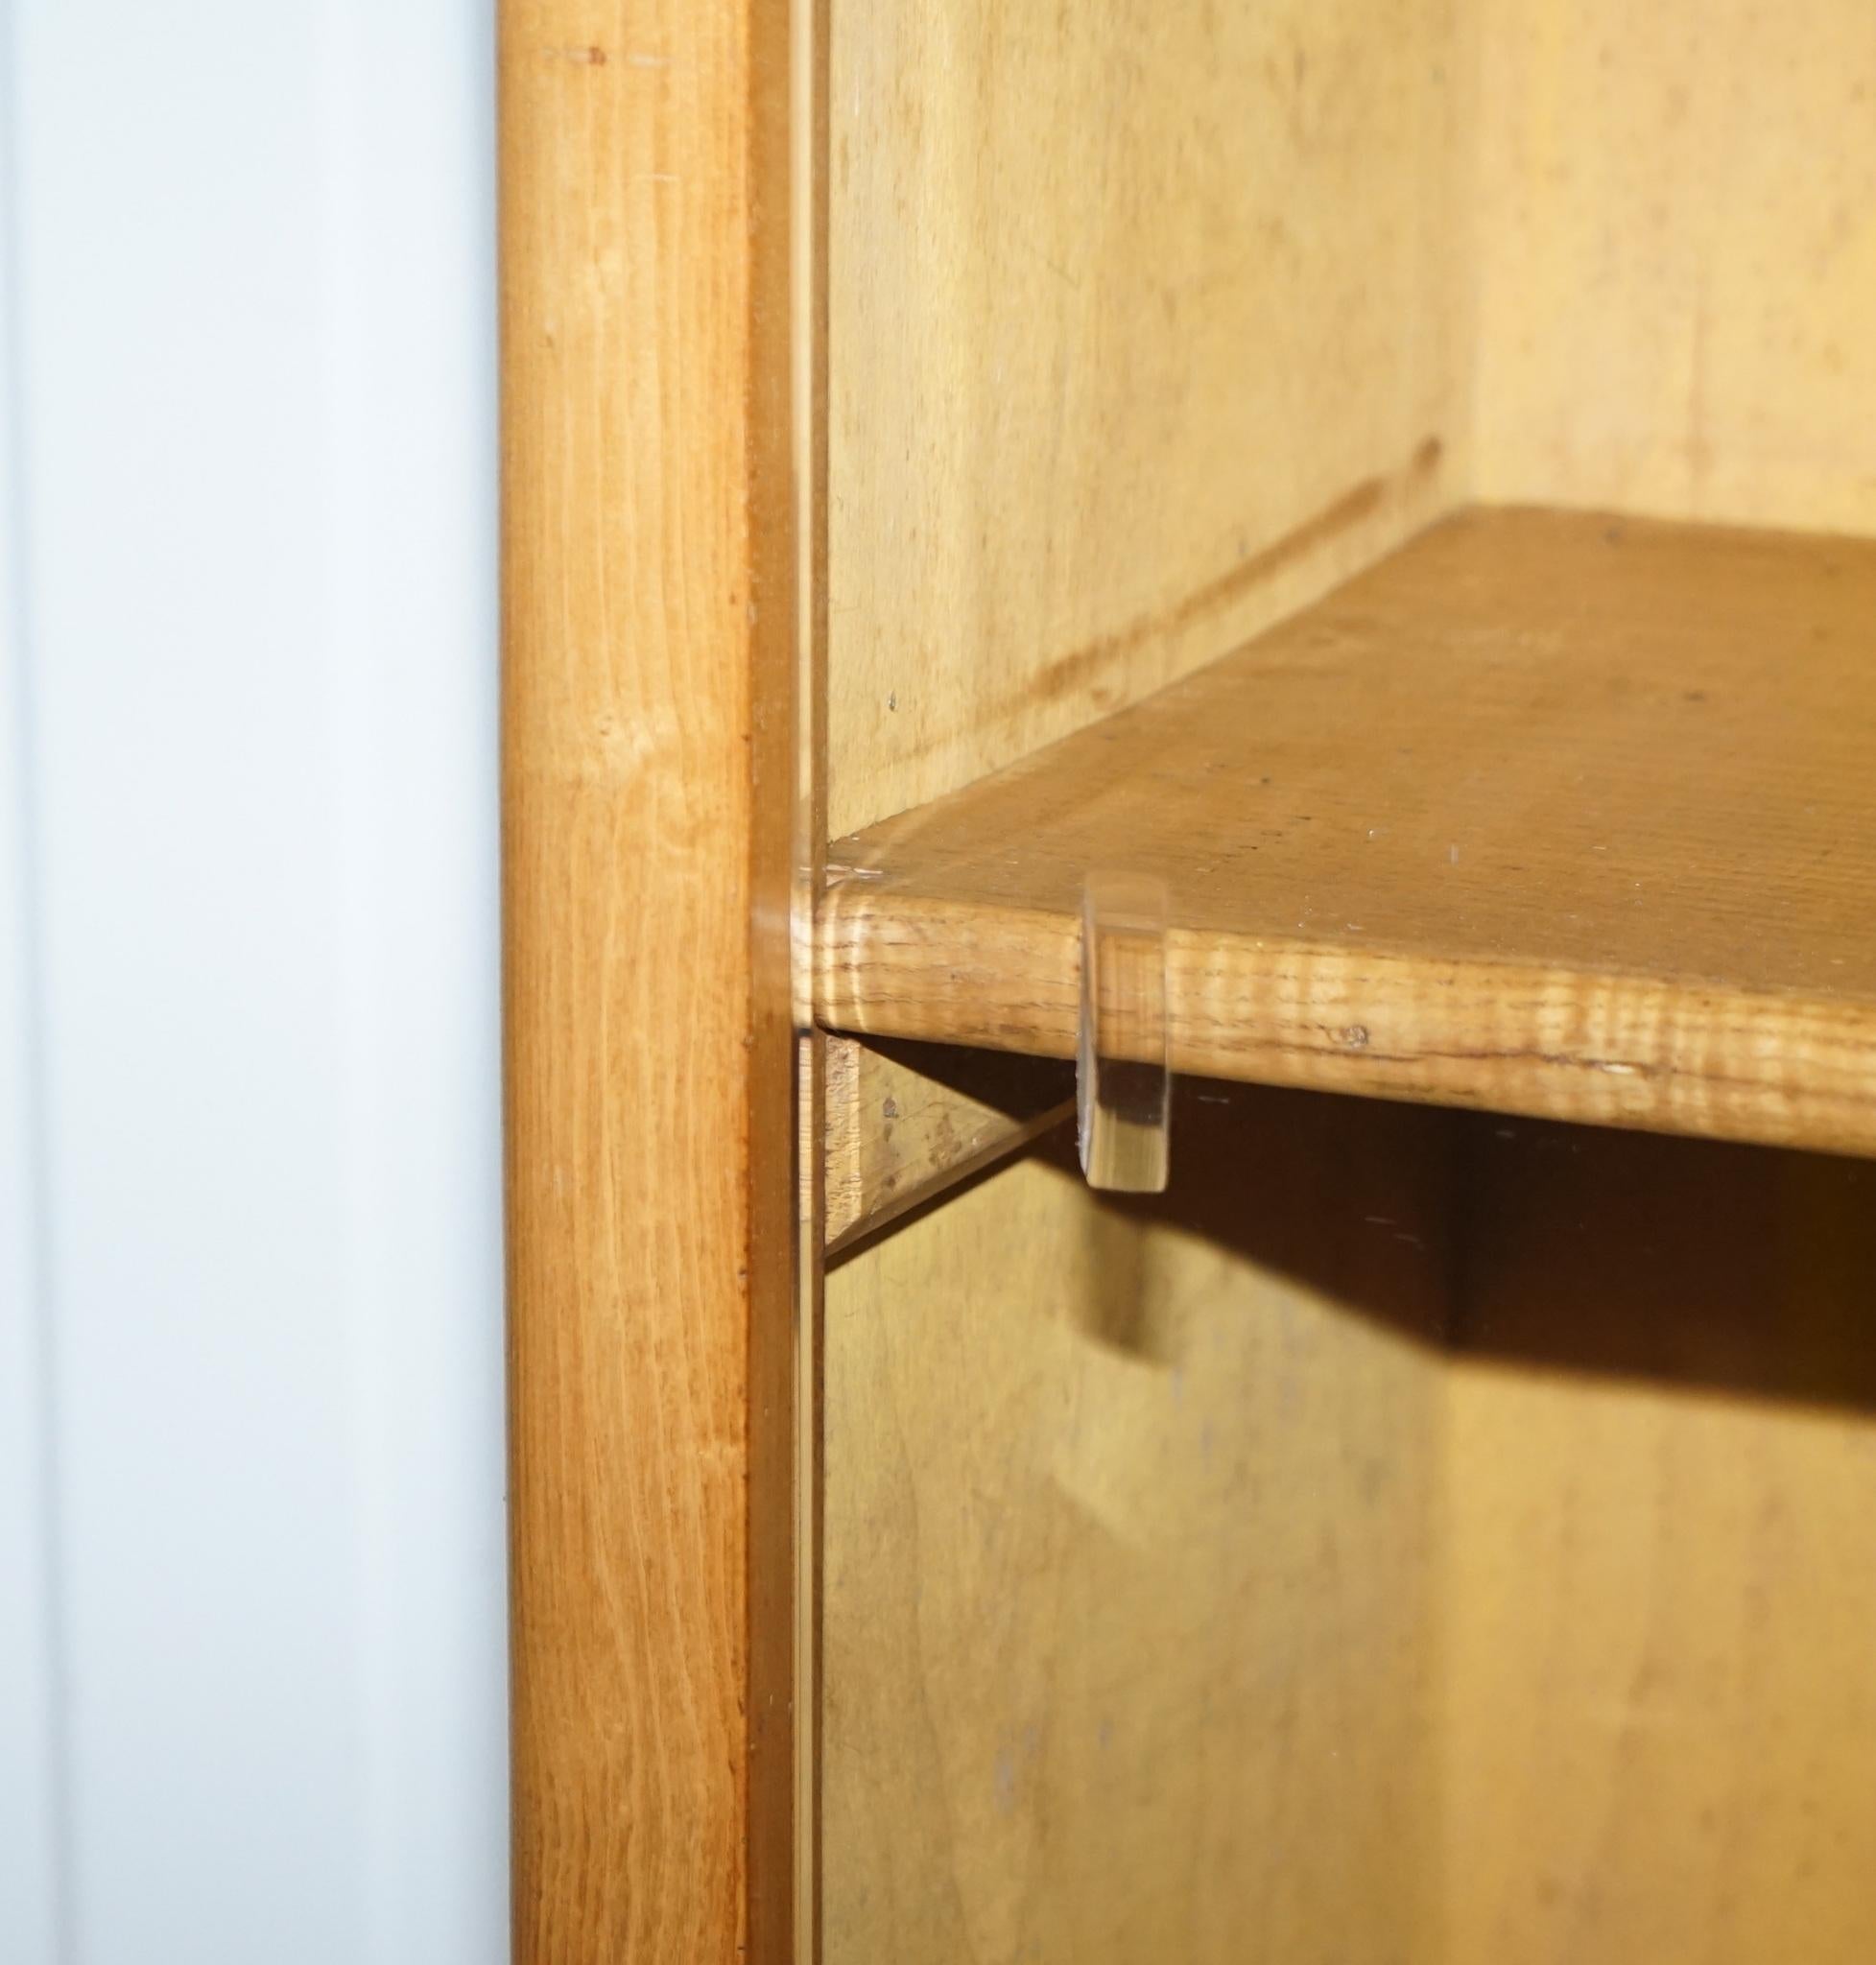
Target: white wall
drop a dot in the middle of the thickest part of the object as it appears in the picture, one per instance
(251, 1639)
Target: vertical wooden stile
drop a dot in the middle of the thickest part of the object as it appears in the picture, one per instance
(648, 787)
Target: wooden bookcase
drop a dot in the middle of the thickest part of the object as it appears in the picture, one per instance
(1402, 475)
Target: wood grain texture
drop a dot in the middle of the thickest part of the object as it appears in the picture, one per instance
(903, 1126)
(646, 826)
(1675, 227)
(1131, 1628)
(1115, 378)
(1658, 1604)
(1145, 324)
(1549, 813)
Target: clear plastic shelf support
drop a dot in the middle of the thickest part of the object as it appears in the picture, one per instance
(1122, 1080)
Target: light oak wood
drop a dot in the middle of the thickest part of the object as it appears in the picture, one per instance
(1115, 379)
(1659, 1446)
(901, 1129)
(646, 791)
(1549, 813)
(1146, 323)
(1675, 258)
(1145, 326)
(1658, 1603)
(1130, 1637)
(1098, 290)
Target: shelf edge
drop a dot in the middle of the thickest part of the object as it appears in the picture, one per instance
(1655, 1054)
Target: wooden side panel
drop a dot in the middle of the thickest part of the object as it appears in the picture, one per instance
(1660, 1606)
(1677, 258)
(1128, 1634)
(1143, 326)
(646, 824)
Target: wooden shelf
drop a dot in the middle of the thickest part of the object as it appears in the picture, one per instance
(1547, 812)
